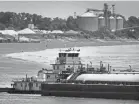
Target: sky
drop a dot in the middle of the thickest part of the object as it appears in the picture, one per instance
(63, 9)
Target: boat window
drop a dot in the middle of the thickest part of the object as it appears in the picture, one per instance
(69, 55)
(76, 54)
(39, 87)
(54, 67)
(62, 54)
(57, 67)
(59, 54)
(31, 84)
(73, 55)
(48, 76)
(25, 84)
(36, 84)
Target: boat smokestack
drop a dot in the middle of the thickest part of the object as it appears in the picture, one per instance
(87, 67)
(100, 64)
(26, 77)
(108, 68)
(130, 67)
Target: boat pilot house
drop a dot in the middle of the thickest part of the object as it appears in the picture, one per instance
(67, 62)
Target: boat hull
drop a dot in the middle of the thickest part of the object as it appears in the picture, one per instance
(91, 91)
(13, 91)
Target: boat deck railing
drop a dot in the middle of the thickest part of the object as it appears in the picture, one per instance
(28, 80)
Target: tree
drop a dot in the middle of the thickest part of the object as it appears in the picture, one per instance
(72, 23)
(58, 24)
(44, 23)
(2, 26)
(133, 21)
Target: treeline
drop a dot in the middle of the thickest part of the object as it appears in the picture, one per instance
(20, 21)
(128, 32)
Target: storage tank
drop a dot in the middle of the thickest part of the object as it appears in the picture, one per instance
(101, 22)
(112, 23)
(109, 77)
(119, 22)
(88, 21)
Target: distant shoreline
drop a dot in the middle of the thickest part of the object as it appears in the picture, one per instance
(47, 56)
(72, 42)
(52, 46)
(62, 43)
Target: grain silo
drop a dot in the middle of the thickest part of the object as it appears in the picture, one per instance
(101, 22)
(112, 23)
(88, 21)
(119, 22)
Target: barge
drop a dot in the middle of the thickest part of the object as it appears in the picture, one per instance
(69, 77)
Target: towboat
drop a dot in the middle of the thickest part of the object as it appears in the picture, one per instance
(69, 77)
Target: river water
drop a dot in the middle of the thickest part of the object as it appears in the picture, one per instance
(14, 68)
(37, 99)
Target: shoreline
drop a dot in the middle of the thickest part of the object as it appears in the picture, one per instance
(47, 56)
(61, 43)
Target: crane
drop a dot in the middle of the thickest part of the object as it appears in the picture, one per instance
(96, 10)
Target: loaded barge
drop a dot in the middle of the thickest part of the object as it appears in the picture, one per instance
(69, 77)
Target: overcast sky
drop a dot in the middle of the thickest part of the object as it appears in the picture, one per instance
(65, 8)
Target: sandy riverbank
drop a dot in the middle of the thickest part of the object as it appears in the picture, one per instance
(48, 56)
(68, 42)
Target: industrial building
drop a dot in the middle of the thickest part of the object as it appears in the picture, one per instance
(88, 21)
(94, 19)
(101, 21)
